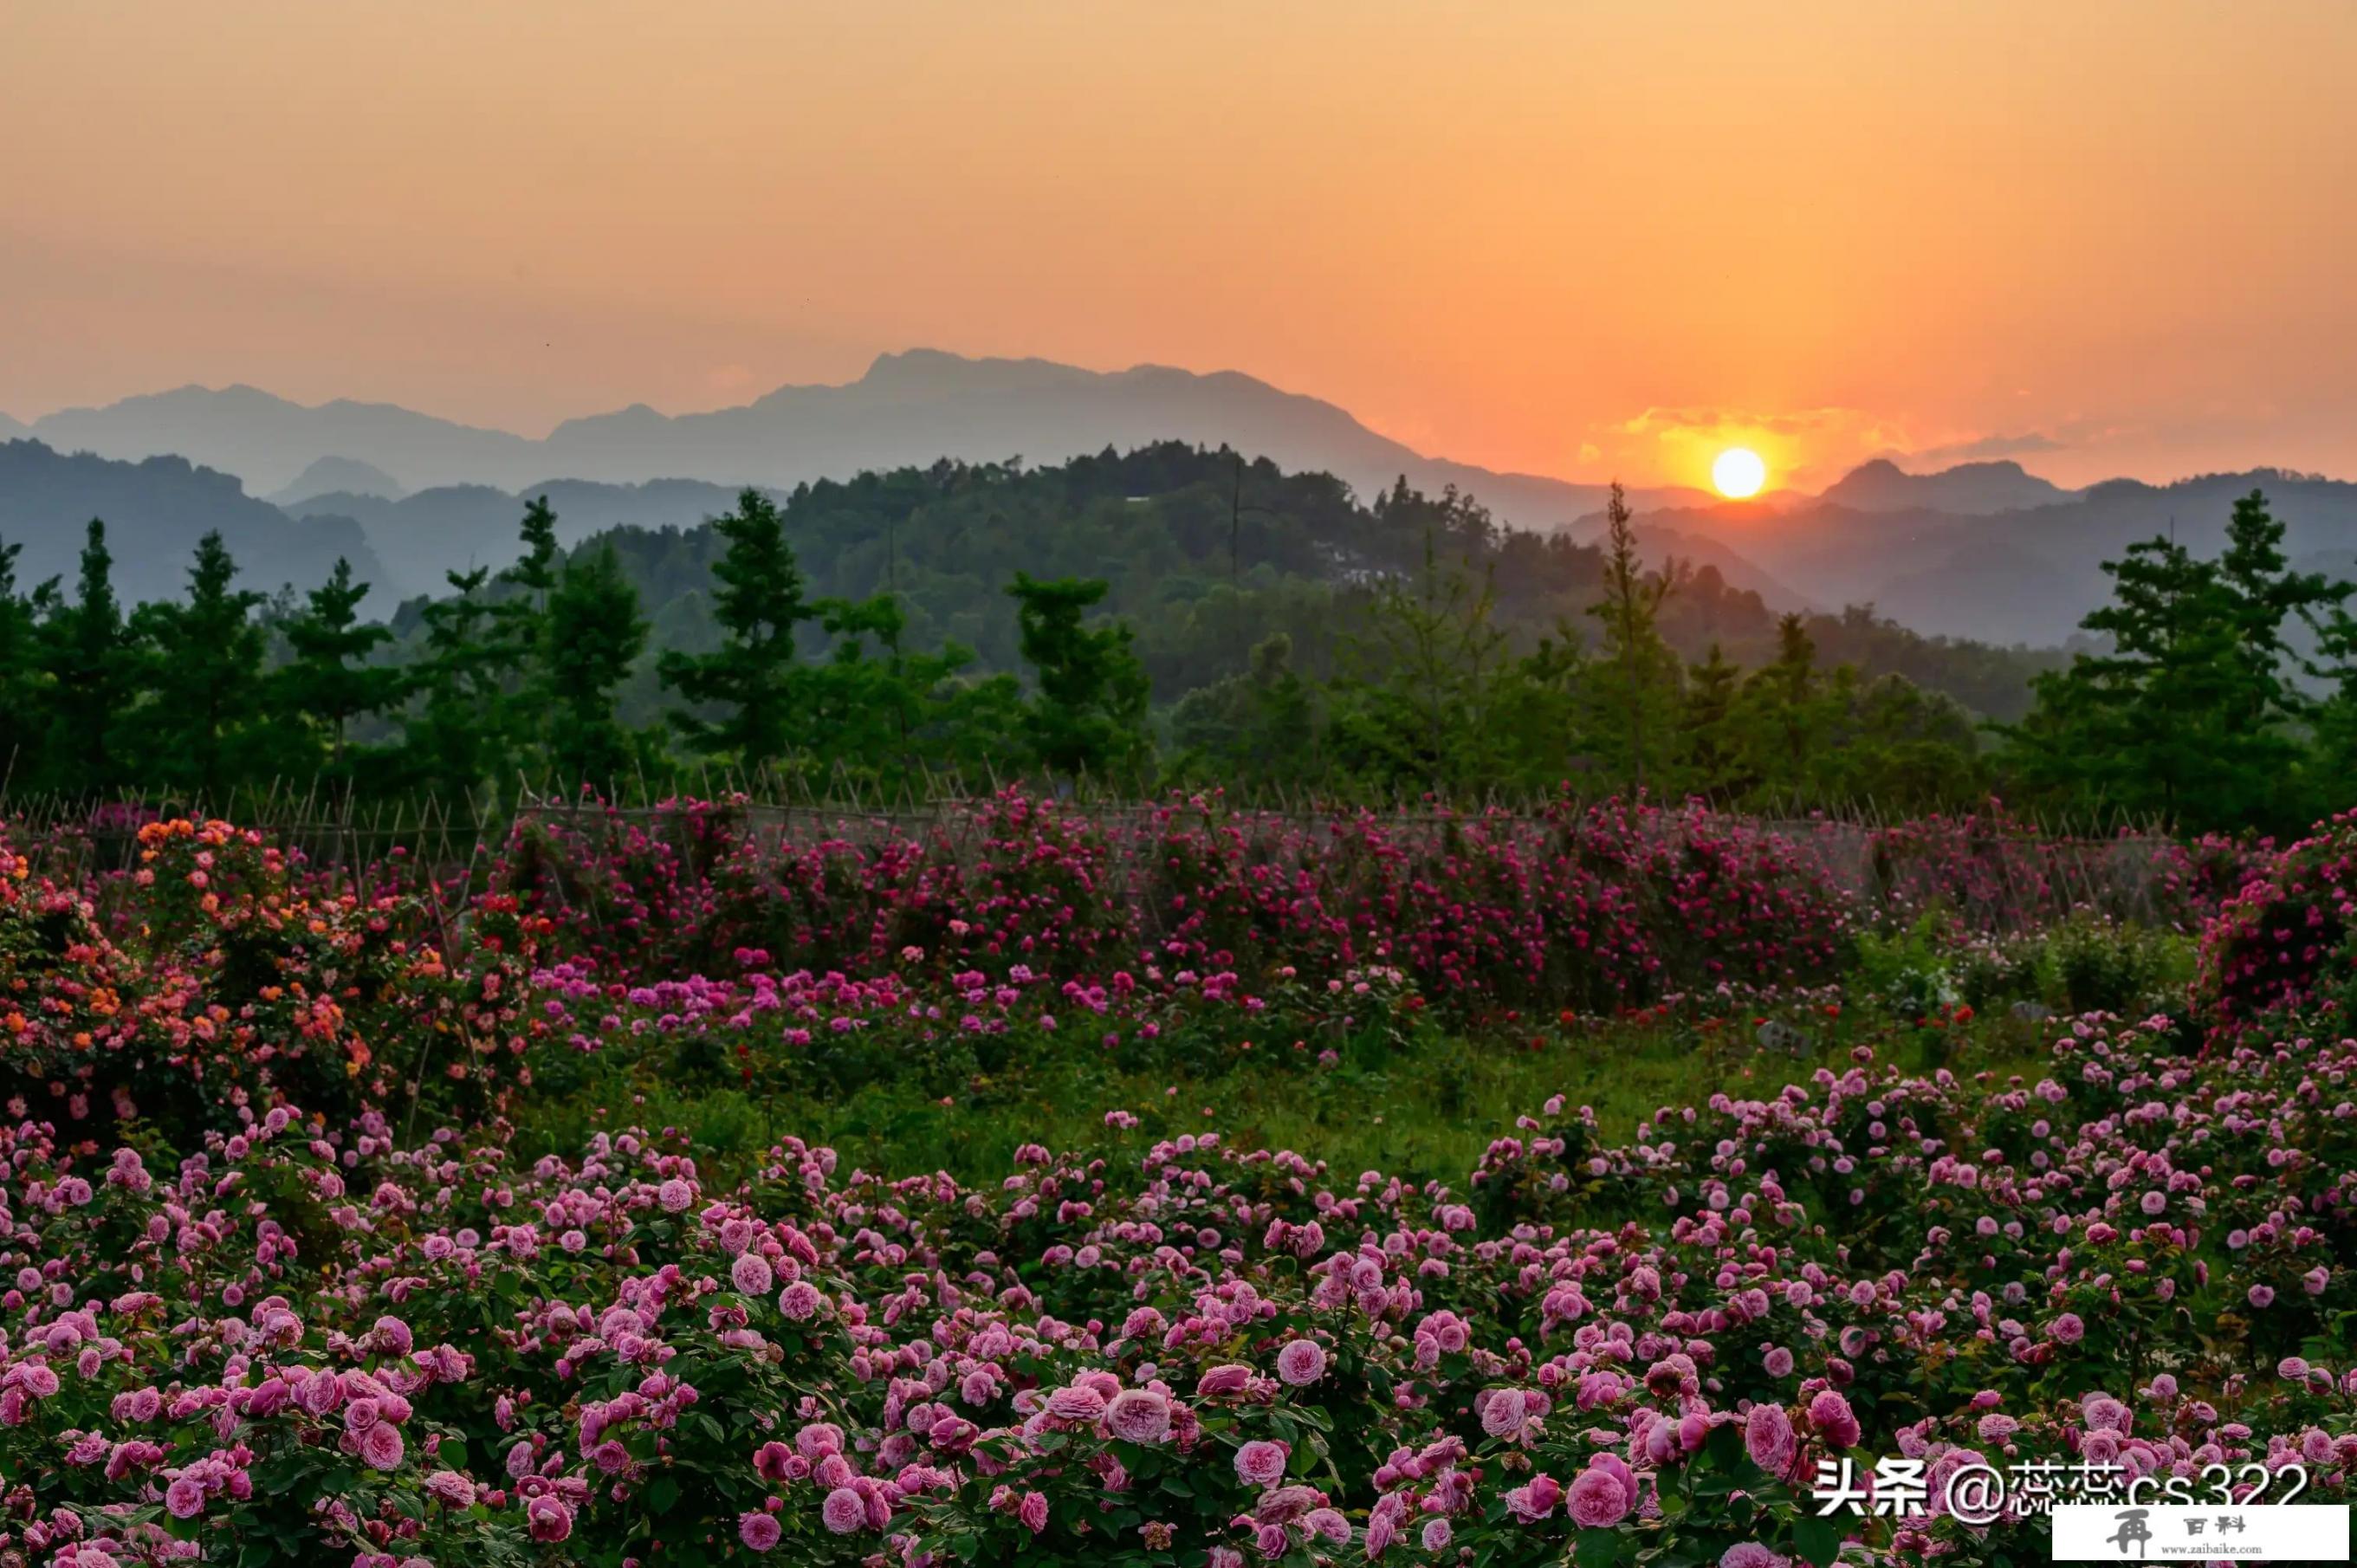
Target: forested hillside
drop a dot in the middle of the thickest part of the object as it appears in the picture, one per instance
(1204, 555)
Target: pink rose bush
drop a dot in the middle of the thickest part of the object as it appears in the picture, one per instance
(211, 969)
(366, 1349)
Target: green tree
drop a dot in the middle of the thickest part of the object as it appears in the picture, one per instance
(203, 658)
(754, 674)
(518, 635)
(596, 634)
(92, 676)
(21, 679)
(1782, 715)
(453, 739)
(1710, 750)
(2194, 711)
(1087, 714)
(1256, 728)
(327, 681)
(1414, 701)
(1634, 682)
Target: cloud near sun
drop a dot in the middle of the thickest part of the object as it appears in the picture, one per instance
(1803, 448)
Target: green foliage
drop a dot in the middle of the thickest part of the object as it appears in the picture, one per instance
(1089, 713)
(1301, 642)
(594, 633)
(2193, 713)
(90, 669)
(327, 682)
(759, 605)
(1635, 693)
(202, 664)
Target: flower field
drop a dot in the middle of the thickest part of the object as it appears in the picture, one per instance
(305, 1264)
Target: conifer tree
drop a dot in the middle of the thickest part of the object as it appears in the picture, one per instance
(1635, 681)
(20, 675)
(754, 675)
(203, 668)
(1088, 714)
(92, 676)
(594, 635)
(328, 679)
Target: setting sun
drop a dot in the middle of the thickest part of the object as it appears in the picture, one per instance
(1739, 473)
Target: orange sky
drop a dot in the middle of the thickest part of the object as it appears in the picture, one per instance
(1569, 237)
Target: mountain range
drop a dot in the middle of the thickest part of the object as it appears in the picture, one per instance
(2024, 574)
(1982, 550)
(155, 512)
(910, 408)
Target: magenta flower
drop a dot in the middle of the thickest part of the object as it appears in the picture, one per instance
(750, 1273)
(1596, 1498)
(759, 1531)
(1262, 1463)
(381, 1446)
(1768, 1437)
(843, 1511)
(1830, 1414)
(1301, 1362)
(1138, 1416)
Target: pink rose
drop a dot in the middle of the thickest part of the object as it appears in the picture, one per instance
(1138, 1416)
(1830, 1415)
(1301, 1362)
(844, 1510)
(1262, 1463)
(381, 1446)
(1768, 1436)
(1597, 1499)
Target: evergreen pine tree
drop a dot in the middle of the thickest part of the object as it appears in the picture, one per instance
(596, 634)
(328, 679)
(1087, 714)
(204, 670)
(1635, 681)
(754, 674)
(91, 677)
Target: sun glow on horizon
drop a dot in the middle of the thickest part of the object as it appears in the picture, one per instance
(1739, 473)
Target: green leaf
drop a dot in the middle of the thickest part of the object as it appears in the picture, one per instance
(663, 1493)
(1597, 1548)
(1817, 1539)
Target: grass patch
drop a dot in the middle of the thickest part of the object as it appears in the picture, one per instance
(1422, 1111)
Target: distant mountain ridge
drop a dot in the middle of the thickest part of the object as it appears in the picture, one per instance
(334, 475)
(423, 535)
(910, 408)
(1966, 490)
(155, 512)
(2027, 576)
(1984, 550)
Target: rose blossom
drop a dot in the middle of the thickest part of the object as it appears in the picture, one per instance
(1301, 1362)
(1597, 1499)
(1262, 1463)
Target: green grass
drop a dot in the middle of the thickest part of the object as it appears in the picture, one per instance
(1426, 1111)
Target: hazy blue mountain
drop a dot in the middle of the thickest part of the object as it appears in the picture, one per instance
(12, 429)
(1967, 489)
(267, 441)
(331, 475)
(421, 536)
(910, 408)
(1658, 544)
(2026, 576)
(154, 512)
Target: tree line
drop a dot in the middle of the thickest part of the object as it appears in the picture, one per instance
(2205, 706)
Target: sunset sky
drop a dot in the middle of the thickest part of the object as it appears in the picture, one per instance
(1563, 237)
